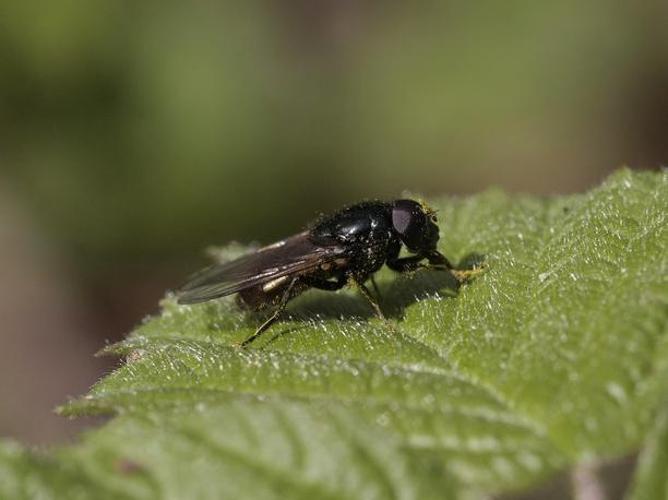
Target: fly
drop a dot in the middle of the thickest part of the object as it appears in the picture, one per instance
(348, 246)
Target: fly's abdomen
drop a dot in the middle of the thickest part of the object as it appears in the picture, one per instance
(269, 294)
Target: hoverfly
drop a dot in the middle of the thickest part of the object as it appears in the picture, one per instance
(348, 246)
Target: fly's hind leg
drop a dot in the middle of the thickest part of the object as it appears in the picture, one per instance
(274, 316)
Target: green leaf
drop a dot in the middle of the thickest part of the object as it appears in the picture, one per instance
(651, 479)
(236, 449)
(556, 356)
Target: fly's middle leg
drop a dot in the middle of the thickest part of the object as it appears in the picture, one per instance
(367, 295)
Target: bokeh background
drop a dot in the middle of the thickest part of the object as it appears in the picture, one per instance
(134, 134)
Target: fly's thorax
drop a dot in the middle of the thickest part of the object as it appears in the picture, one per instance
(352, 224)
(370, 252)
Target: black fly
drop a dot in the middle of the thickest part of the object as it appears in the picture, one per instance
(345, 247)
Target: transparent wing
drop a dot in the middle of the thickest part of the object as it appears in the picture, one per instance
(292, 256)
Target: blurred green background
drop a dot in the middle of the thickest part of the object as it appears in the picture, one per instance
(134, 134)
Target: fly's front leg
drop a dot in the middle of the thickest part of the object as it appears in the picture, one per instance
(406, 264)
(438, 261)
(272, 319)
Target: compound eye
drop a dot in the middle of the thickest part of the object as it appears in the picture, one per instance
(402, 219)
(409, 221)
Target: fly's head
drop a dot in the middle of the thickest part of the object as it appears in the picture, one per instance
(416, 226)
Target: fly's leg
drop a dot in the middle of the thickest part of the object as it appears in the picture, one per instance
(408, 264)
(375, 288)
(463, 275)
(367, 295)
(437, 261)
(275, 315)
(341, 280)
(325, 284)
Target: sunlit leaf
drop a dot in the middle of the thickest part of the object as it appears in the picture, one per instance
(556, 356)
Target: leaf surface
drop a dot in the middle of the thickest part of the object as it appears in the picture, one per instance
(557, 355)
